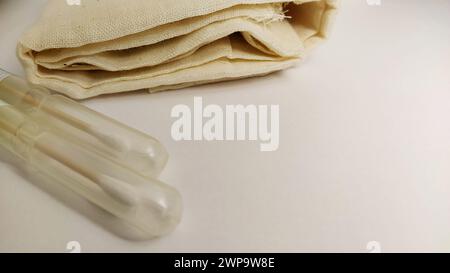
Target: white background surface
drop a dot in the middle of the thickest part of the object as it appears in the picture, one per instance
(364, 150)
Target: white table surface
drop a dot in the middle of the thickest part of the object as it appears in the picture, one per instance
(364, 148)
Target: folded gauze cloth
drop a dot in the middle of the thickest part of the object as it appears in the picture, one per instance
(87, 48)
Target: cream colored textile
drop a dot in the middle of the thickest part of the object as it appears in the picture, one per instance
(110, 46)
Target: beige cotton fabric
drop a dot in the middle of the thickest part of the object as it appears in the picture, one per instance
(110, 46)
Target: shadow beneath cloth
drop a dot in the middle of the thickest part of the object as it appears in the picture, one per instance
(70, 199)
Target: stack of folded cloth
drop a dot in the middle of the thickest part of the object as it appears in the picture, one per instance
(110, 46)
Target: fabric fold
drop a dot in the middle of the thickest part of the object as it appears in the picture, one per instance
(104, 47)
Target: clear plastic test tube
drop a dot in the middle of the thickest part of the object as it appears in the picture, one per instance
(147, 205)
(85, 126)
(107, 163)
